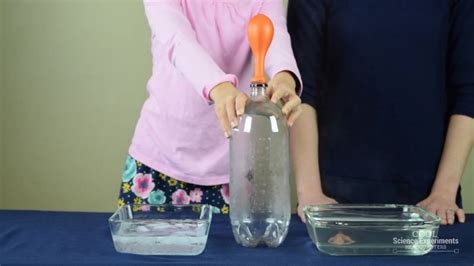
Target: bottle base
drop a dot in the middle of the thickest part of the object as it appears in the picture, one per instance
(252, 233)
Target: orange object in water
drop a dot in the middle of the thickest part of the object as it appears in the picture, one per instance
(260, 34)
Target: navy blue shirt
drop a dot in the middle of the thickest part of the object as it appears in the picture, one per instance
(384, 77)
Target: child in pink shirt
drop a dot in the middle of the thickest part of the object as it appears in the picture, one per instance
(199, 85)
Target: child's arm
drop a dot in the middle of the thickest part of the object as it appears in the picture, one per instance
(460, 136)
(285, 83)
(229, 103)
(170, 27)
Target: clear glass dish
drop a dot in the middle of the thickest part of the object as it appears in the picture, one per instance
(347, 229)
(161, 229)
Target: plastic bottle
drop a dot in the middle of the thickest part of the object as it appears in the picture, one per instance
(259, 157)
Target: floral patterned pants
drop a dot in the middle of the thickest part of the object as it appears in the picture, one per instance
(143, 185)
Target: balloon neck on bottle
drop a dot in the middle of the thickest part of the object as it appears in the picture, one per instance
(258, 89)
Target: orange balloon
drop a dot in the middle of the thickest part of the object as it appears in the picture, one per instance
(260, 35)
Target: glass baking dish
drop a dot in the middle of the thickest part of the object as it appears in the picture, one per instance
(161, 229)
(348, 229)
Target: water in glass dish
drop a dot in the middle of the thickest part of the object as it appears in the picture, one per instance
(179, 237)
(374, 241)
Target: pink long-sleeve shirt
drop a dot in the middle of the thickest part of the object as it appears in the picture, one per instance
(197, 44)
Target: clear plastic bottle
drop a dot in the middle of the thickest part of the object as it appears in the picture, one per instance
(259, 162)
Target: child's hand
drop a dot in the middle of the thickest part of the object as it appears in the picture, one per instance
(229, 103)
(444, 206)
(312, 199)
(282, 87)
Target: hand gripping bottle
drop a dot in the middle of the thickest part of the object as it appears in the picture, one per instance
(259, 157)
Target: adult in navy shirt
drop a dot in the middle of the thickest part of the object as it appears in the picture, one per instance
(392, 84)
